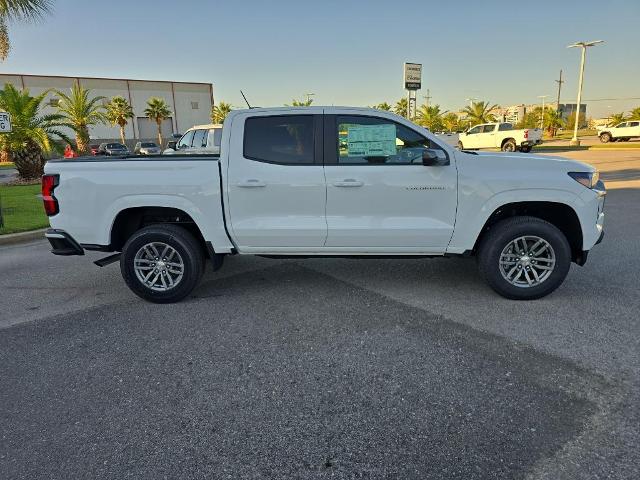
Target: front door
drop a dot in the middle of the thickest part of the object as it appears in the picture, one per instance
(380, 197)
(275, 182)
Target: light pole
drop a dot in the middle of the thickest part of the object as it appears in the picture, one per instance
(542, 115)
(309, 95)
(583, 45)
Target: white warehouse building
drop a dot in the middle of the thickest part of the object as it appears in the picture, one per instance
(190, 102)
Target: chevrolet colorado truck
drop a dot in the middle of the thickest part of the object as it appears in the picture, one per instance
(325, 181)
(500, 135)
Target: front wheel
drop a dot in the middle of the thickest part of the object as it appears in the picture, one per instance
(460, 146)
(162, 263)
(524, 258)
(509, 145)
(605, 137)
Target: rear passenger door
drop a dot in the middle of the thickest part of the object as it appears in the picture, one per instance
(275, 182)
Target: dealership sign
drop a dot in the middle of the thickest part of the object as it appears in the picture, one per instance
(412, 76)
(5, 122)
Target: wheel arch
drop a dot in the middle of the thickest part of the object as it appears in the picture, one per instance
(561, 215)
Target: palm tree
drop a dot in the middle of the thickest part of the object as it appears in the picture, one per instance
(400, 107)
(18, 11)
(300, 103)
(451, 122)
(219, 112)
(158, 110)
(119, 112)
(479, 112)
(430, 116)
(383, 106)
(616, 118)
(635, 114)
(552, 121)
(81, 111)
(33, 133)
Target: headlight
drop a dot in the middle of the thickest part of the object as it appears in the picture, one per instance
(588, 179)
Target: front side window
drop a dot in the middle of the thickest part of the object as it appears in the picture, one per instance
(622, 125)
(475, 130)
(185, 141)
(199, 139)
(285, 139)
(372, 140)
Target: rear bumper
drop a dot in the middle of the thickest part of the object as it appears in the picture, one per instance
(531, 143)
(62, 243)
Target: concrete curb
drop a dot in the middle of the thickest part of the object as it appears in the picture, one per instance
(22, 237)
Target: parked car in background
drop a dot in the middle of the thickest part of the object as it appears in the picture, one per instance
(622, 132)
(499, 135)
(326, 181)
(198, 139)
(112, 149)
(93, 148)
(147, 148)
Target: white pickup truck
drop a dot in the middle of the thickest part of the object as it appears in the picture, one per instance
(622, 132)
(325, 181)
(500, 135)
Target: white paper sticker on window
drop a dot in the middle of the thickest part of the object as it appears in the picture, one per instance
(371, 140)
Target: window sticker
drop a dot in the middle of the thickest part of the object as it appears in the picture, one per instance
(371, 140)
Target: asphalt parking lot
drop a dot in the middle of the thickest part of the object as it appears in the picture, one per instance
(326, 368)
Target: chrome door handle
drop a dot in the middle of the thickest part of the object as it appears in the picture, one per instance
(251, 183)
(348, 182)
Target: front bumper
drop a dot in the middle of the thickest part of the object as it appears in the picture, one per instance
(62, 243)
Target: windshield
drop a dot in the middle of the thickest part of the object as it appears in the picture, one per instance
(115, 145)
(148, 145)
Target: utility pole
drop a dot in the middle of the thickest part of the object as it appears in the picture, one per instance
(309, 95)
(583, 45)
(427, 98)
(559, 82)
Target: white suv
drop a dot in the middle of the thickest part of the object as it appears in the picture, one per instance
(199, 139)
(623, 132)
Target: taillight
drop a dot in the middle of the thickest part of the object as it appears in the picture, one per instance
(526, 134)
(49, 183)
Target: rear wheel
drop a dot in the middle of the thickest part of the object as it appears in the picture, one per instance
(605, 137)
(509, 145)
(162, 263)
(524, 258)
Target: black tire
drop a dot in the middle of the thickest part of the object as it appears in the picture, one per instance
(509, 145)
(460, 146)
(526, 149)
(191, 256)
(501, 235)
(605, 137)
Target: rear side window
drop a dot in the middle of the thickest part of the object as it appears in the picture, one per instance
(286, 139)
(634, 124)
(216, 134)
(505, 127)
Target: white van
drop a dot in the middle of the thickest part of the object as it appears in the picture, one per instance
(199, 139)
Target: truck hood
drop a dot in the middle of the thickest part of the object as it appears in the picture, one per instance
(529, 161)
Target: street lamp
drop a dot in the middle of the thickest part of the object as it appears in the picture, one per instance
(583, 45)
(542, 116)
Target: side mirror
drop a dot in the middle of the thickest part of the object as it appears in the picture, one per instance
(172, 144)
(431, 159)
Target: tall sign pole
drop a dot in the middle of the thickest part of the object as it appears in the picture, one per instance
(559, 82)
(412, 83)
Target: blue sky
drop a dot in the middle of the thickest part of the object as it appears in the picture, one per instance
(346, 52)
